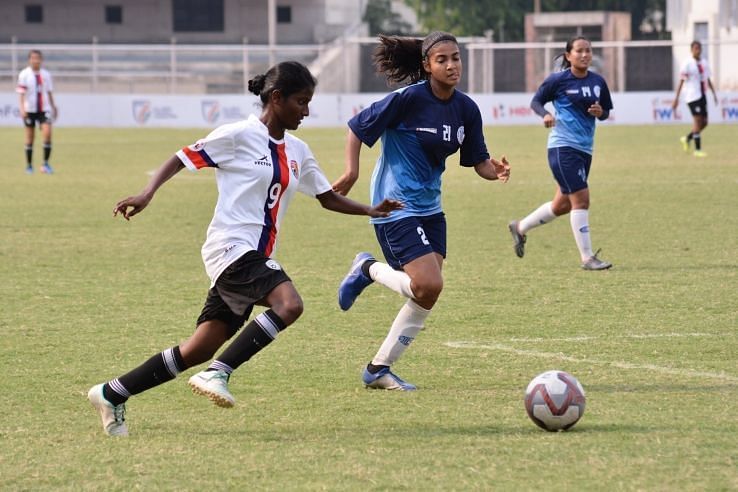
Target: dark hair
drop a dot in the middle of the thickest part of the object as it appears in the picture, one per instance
(695, 42)
(286, 77)
(401, 58)
(569, 46)
(38, 52)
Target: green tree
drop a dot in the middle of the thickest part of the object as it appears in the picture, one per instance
(381, 19)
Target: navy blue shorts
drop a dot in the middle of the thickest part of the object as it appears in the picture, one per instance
(570, 167)
(409, 238)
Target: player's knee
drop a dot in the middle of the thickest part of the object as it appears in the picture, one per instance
(194, 354)
(289, 309)
(428, 290)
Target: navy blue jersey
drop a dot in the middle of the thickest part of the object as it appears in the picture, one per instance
(418, 132)
(571, 97)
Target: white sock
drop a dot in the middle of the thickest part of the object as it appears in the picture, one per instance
(405, 328)
(542, 215)
(580, 227)
(393, 279)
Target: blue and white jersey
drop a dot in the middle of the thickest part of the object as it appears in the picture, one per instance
(571, 97)
(418, 132)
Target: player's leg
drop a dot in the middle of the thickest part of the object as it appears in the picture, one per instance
(46, 134)
(700, 123)
(29, 125)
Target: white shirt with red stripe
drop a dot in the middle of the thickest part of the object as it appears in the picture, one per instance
(694, 73)
(36, 86)
(257, 177)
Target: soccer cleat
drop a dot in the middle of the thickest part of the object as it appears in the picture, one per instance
(29, 169)
(518, 239)
(685, 143)
(385, 379)
(354, 282)
(594, 263)
(214, 385)
(113, 416)
(46, 169)
(699, 153)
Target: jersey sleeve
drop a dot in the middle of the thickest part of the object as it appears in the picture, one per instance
(371, 122)
(49, 82)
(22, 86)
(684, 70)
(473, 148)
(215, 150)
(312, 180)
(605, 98)
(547, 91)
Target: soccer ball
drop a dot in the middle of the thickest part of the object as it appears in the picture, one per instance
(554, 400)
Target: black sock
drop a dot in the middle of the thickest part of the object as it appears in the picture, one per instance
(259, 333)
(374, 369)
(689, 137)
(29, 155)
(365, 267)
(159, 369)
(697, 141)
(47, 152)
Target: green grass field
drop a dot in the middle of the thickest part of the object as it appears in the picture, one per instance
(86, 297)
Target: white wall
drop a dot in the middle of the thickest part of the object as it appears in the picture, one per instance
(331, 110)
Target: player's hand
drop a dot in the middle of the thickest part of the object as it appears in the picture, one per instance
(549, 121)
(343, 185)
(502, 168)
(384, 208)
(135, 203)
(595, 109)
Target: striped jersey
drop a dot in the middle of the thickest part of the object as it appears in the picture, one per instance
(257, 177)
(694, 73)
(36, 86)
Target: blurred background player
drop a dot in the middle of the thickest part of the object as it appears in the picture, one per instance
(694, 76)
(258, 168)
(37, 107)
(579, 96)
(420, 125)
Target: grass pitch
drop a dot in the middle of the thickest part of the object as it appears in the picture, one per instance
(86, 297)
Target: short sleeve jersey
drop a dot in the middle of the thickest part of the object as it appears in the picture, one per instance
(257, 177)
(418, 132)
(694, 73)
(572, 97)
(36, 86)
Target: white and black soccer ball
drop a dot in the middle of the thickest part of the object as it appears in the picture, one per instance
(555, 400)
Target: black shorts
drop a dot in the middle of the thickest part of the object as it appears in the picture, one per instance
(245, 282)
(32, 118)
(698, 107)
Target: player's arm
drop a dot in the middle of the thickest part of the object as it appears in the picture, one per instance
(676, 96)
(537, 106)
(351, 172)
(139, 202)
(714, 94)
(23, 105)
(54, 109)
(332, 200)
(493, 169)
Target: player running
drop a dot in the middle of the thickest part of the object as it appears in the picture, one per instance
(695, 76)
(420, 126)
(258, 168)
(579, 96)
(37, 106)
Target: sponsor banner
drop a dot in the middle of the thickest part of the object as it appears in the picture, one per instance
(333, 110)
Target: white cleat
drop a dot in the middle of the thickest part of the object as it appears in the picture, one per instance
(214, 385)
(113, 416)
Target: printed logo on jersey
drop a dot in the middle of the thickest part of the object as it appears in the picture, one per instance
(273, 265)
(210, 111)
(460, 134)
(572, 91)
(434, 131)
(141, 111)
(263, 161)
(294, 168)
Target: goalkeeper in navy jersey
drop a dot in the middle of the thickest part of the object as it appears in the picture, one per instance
(419, 125)
(579, 96)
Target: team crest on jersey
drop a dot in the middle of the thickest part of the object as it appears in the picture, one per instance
(293, 167)
(597, 91)
(273, 265)
(460, 134)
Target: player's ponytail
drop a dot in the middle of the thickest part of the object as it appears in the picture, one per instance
(286, 77)
(401, 59)
(569, 46)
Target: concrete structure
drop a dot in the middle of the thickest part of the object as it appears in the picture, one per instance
(560, 26)
(189, 21)
(715, 24)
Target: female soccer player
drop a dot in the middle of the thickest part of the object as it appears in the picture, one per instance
(420, 126)
(36, 106)
(258, 168)
(695, 75)
(579, 96)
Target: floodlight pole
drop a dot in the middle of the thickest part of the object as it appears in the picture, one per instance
(272, 23)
